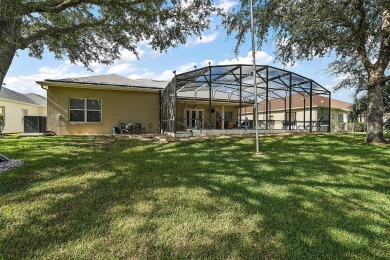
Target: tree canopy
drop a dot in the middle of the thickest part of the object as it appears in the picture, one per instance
(356, 32)
(96, 30)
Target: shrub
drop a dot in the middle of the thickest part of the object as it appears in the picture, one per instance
(359, 126)
(338, 126)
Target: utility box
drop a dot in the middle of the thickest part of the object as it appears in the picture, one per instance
(34, 124)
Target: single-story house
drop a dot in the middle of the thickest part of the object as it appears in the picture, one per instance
(15, 107)
(96, 104)
(209, 100)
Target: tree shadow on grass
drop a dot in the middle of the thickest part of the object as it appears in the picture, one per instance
(205, 199)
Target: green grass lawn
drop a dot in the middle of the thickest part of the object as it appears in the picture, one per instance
(310, 196)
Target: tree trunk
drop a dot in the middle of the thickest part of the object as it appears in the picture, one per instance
(9, 37)
(6, 56)
(375, 111)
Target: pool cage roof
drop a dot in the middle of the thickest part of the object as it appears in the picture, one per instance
(235, 82)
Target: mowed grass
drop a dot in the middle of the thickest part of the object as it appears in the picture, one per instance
(310, 196)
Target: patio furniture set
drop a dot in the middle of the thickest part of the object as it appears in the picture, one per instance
(129, 128)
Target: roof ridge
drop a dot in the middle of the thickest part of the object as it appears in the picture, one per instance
(112, 80)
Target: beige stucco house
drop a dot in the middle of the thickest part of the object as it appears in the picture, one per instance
(96, 104)
(15, 106)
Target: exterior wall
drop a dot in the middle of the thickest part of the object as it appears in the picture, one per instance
(182, 106)
(117, 106)
(14, 115)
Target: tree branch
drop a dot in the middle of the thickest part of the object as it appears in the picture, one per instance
(58, 31)
(361, 36)
(58, 6)
(384, 51)
(385, 79)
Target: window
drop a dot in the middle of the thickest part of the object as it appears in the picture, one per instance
(324, 114)
(340, 117)
(85, 110)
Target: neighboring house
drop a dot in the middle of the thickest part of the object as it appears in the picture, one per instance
(14, 106)
(96, 104)
(300, 112)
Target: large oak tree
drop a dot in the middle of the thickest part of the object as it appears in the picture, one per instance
(356, 32)
(96, 30)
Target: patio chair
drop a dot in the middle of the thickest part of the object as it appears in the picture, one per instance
(129, 128)
(122, 128)
(138, 128)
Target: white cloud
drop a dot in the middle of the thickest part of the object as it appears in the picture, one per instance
(121, 68)
(262, 57)
(27, 84)
(206, 38)
(127, 55)
(186, 67)
(147, 50)
(203, 39)
(339, 78)
(291, 65)
(226, 4)
(166, 75)
(329, 87)
(206, 63)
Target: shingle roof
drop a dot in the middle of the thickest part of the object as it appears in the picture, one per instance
(113, 80)
(38, 99)
(153, 83)
(31, 98)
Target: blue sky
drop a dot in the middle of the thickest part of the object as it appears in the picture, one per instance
(214, 47)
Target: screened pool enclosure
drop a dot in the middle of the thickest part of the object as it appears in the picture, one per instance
(222, 98)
